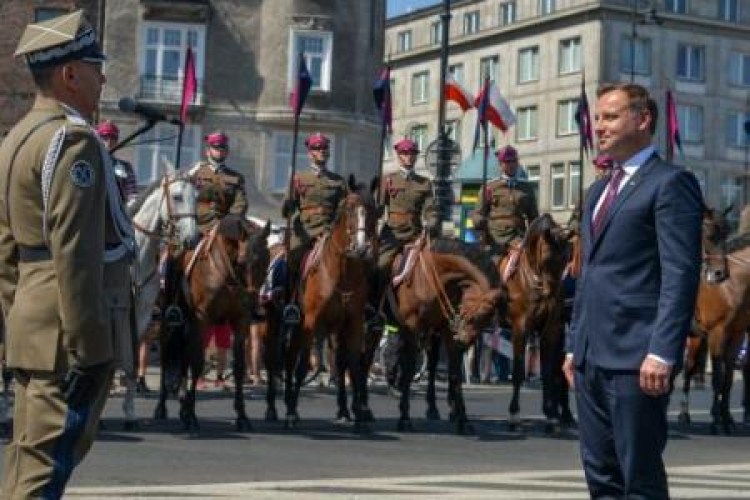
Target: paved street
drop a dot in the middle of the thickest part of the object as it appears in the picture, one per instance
(324, 460)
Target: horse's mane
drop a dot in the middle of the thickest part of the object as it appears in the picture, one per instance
(541, 224)
(234, 227)
(472, 253)
(738, 242)
(142, 197)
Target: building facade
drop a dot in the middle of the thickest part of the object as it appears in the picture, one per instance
(16, 87)
(538, 52)
(246, 54)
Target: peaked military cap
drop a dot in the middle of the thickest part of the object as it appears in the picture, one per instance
(61, 39)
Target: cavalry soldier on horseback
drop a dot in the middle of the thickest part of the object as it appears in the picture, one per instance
(66, 245)
(124, 171)
(410, 205)
(507, 205)
(316, 195)
(221, 190)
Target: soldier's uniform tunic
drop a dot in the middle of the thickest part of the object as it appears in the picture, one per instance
(316, 196)
(506, 208)
(221, 191)
(65, 249)
(410, 203)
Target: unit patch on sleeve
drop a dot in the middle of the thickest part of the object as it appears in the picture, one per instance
(82, 174)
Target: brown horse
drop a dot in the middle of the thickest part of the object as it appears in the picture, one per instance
(450, 294)
(333, 296)
(535, 306)
(216, 283)
(722, 315)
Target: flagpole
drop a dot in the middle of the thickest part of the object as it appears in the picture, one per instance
(668, 126)
(178, 153)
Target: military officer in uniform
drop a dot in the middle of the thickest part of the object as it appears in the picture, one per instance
(66, 245)
(221, 190)
(316, 194)
(409, 207)
(507, 205)
(126, 179)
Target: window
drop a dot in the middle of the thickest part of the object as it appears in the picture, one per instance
(570, 56)
(574, 183)
(533, 175)
(526, 123)
(418, 134)
(729, 11)
(488, 68)
(507, 13)
(317, 49)
(690, 119)
(420, 87)
(45, 14)
(690, 62)
(641, 50)
(557, 186)
(162, 59)
(453, 128)
(436, 33)
(566, 121)
(156, 155)
(404, 41)
(677, 6)
(528, 65)
(736, 133)
(457, 72)
(739, 69)
(546, 7)
(282, 159)
(471, 22)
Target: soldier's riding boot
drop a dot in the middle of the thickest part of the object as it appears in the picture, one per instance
(292, 315)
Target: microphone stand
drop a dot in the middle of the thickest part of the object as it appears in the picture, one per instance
(144, 128)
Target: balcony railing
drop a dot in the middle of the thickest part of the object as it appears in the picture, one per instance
(166, 89)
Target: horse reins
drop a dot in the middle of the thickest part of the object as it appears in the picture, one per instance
(168, 231)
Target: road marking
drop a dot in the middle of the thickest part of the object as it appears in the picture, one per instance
(723, 481)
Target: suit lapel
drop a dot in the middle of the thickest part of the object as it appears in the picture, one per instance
(630, 187)
(595, 192)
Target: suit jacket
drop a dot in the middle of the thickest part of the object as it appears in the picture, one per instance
(640, 275)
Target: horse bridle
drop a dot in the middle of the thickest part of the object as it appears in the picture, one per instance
(168, 230)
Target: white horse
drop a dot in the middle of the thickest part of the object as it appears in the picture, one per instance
(165, 213)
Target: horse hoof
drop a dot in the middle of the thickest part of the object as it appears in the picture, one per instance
(714, 428)
(130, 425)
(551, 428)
(432, 414)
(367, 415)
(361, 427)
(291, 422)
(683, 418)
(160, 413)
(404, 425)
(243, 425)
(465, 428)
(567, 421)
(271, 415)
(343, 417)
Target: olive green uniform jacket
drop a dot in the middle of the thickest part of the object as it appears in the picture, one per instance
(221, 191)
(506, 208)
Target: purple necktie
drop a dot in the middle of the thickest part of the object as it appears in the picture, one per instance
(609, 198)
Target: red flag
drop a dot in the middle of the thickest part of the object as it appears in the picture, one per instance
(302, 86)
(189, 84)
(381, 92)
(455, 92)
(673, 127)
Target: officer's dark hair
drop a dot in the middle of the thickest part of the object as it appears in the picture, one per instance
(42, 76)
(640, 100)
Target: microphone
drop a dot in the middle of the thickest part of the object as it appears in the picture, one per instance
(130, 105)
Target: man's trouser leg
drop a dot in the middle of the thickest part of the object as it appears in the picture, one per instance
(49, 438)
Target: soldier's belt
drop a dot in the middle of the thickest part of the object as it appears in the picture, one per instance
(513, 218)
(27, 254)
(316, 210)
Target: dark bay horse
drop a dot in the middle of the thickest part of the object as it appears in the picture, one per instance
(722, 316)
(451, 293)
(333, 295)
(535, 306)
(216, 283)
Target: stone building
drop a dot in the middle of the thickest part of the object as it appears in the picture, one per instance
(246, 57)
(538, 51)
(16, 87)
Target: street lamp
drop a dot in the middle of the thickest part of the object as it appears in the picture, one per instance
(647, 17)
(443, 188)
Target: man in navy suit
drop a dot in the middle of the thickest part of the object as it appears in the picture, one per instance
(641, 233)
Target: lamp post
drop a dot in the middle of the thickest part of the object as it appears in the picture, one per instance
(443, 188)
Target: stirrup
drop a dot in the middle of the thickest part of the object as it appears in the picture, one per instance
(173, 316)
(292, 315)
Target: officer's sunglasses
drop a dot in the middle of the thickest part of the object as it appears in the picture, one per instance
(219, 147)
(319, 148)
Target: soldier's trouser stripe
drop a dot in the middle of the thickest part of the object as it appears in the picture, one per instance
(63, 456)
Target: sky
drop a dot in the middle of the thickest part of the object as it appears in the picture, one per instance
(397, 7)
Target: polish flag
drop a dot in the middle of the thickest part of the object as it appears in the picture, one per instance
(455, 92)
(496, 108)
